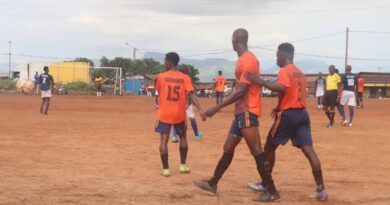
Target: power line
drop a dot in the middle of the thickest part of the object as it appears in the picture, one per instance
(326, 56)
(379, 32)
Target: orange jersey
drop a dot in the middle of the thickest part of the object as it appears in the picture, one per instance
(251, 102)
(360, 85)
(295, 82)
(220, 83)
(173, 87)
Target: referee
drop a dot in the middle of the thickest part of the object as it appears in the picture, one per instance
(331, 96)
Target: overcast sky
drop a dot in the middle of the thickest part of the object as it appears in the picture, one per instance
(93, 28)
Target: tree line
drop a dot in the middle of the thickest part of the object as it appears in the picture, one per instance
(137, 67)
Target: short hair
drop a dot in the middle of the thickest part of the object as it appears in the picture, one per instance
(45, 68)
(173, 57)
(337, 70)
(287, 47)
(220, 72)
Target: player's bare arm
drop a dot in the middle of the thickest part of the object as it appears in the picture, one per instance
(253, 78)
(240, 91)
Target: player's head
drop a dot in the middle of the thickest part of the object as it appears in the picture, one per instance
(320, 74)
(240, 39)
(337, 71)
(184, 69)
(348, 68)
(46, 69)
(332, 69)
(359, 75)
(285, 54)
(171, 60)
(219, 72)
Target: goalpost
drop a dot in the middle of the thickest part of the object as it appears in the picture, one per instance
(118, 77)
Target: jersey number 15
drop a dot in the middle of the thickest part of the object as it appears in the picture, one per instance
(173, 93)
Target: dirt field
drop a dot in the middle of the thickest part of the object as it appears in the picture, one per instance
(105, 151)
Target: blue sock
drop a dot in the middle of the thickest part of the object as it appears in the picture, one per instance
(174, 132)
(194, 126)
(318, 101)
(342, 112)
(351, 114)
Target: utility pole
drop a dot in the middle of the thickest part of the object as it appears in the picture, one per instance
(346, 46)
(134, 50)
(9, 60)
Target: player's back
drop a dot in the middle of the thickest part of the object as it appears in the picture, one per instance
(349, 82)
(220, 83)
(45, 81)
(251, 102)
(173, 87)
(295, 82)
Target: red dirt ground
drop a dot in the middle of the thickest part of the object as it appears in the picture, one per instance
(105, 151)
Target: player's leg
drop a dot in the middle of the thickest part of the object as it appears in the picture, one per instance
(352, 105)
(43, 102)
(181, 129)
(222, 94)
(164, 130)
(361, 99)
(319, 102)
(198, 134)
(217, 97)
(317, 172)
(343, 101)
(326, 104)
(47, 105)
(252, 138)
(175, 138)
(164, 153)
(231, 142)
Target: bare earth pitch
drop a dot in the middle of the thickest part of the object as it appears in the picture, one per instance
(105, 151)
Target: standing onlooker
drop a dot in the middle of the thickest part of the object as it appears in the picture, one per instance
(36, 82)
(333, 82)
(360, 91)
(320, 90)
(220, 81)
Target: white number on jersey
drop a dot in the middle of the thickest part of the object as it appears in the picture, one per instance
(351, 82)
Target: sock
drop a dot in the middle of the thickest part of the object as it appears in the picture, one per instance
(264, 174)
(327, 114)
(194, 126)
(164, 160)
(319, 101)
(351, 114)
(47, 105)
(331, 115)
(222, 166)
(97, 94)
(342, 111)
(43, 102)
(174, 131)
(319, 180)
(183, 154)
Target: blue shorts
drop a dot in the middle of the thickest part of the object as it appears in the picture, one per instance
(243, 120)
(219, 94)
(291, 124)
(165, 128)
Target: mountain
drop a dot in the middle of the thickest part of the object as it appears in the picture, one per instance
(308, 66)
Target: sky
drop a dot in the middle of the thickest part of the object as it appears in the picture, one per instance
(65, 29)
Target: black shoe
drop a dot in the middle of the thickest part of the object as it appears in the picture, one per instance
(203, 184)
(268, 197)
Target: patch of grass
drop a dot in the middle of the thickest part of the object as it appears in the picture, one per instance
(79, 86)
(8, 84)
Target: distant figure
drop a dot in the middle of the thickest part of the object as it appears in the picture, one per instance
(320, 90)
(98, 84)
(331, 96)
(46, 83)
(141, 89)
(36, 82)
(380, 94)
(360, 91)
(348, 96)
(220, 81)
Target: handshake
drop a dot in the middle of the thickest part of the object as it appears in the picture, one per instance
(209, 112)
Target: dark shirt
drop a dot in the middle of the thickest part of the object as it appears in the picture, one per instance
(45, 81)
(349, 81)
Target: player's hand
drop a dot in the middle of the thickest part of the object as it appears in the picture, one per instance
(253, 78)
(211, 111)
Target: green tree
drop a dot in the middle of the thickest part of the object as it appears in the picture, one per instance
(194, 73)
(82, 59)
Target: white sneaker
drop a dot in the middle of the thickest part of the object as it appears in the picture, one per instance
(350, 124)
(345, 123)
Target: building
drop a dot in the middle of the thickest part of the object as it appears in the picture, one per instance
(133, 83)
(63, 72)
